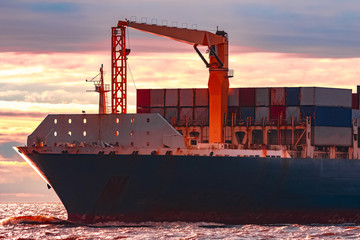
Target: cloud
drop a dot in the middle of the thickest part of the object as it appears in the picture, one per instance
(6, 149)
(19, 182)
(53, 7)
(321, 28)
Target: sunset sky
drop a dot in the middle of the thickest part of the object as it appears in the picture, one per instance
(49, 48)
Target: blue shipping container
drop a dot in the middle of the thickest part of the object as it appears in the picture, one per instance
(247, 112)
(327, 116)
(292, 96)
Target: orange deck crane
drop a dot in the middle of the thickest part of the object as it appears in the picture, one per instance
(218, 68)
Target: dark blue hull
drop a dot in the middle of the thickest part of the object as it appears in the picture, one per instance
(236, 190)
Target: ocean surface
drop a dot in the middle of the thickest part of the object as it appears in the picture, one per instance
(48, 221)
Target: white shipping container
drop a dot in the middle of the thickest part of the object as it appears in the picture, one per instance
(156, 97)
(186, 97)
(233, 97)
(262, 114)
(171, 97)
(331, 136)
(292, 112)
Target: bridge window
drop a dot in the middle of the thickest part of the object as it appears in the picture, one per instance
(69, 120)
(84, 120)
(69, 133)
(117, 133)
(55, 121)
(273, 138)
(240, 137)
(194, 134)
(257, 136)
(55, 134)
(84, 133)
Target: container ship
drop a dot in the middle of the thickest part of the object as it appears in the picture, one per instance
(216, 154)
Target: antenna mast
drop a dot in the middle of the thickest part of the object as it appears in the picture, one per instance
(102, 89)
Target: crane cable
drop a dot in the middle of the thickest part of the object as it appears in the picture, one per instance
(128, 66)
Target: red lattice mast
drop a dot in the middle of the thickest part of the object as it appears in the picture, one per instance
(118, 67)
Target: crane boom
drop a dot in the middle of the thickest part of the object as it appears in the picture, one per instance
(218, 83)
(189, 36)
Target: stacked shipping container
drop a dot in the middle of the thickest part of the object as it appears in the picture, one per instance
(329, 108)
(181, 106)
(330, 112)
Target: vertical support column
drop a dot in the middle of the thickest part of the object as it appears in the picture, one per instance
(218, 93)
(354, 151)
(309, 147)
(118, 70)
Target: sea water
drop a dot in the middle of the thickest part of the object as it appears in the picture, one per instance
(48, 221)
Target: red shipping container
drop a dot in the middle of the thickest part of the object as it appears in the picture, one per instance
(158, 110)
(171, 97)
(355, 101)
(277, 113)
(277, 96)
(142, 110)
(233, 97)
(143, 98)
(157, 98)
(246, 97)
(201, 97)
(186, 97)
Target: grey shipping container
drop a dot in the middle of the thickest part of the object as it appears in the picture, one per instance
(331, 97)
(201, 97)
(233, 97)
(334, 97)
(307, 96)
(157, 98)
(262, 114)
(171, 113)
(171, 97)
(331, 136)
(186, 97)
(277, 96)
(262, 97)
(292, 112)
